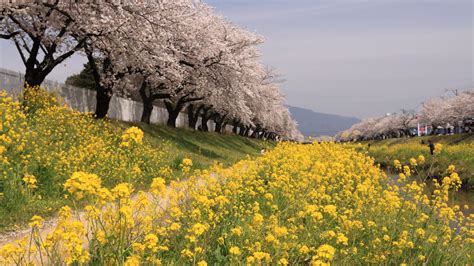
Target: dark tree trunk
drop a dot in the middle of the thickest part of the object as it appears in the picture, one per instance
(102, 104)
(147, 101)
(241, 130)
(173, 113)
(173, 116)
(204, 126)
(265, 135)
(193, 115)
(235, 129)
(254, 133)
(247, 131)
(191, 121)
(219, 122)
(218, 128)
(175, 108)
(103, 93)
(147, 111)
(205, 118)
(33, 78)
(148, 98)
(272, 136)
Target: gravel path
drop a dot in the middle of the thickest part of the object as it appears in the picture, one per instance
(50, 224)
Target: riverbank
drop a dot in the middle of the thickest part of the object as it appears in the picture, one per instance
(457, 150)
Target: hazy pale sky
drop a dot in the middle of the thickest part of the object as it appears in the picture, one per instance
(349, 57)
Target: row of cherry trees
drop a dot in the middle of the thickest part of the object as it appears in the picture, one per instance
(435, 112)
(179, 52)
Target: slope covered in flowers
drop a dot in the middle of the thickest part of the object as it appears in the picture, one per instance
(456, 149)
(297, 204)
(42, 143)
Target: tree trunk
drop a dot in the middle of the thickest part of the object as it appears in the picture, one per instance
(193, 115)
(242, 130)
(205, 118)
(265, 135)
(272, 136)
(172, 117)
(254, 133)
(175, 109)
(33, 78)
(103, 94)
(102, 103)
(247, 131)
(173, 113)
(235, 129)
(147, 101)
(219, 122)
(218, 128)
(147, 111)
(204, 126)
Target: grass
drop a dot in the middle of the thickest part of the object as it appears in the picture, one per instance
(457, 150)
(203, 148)
(457, 139)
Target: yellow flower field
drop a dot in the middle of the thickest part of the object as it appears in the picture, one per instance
(314, 204)
(42, 143)
(461, 152)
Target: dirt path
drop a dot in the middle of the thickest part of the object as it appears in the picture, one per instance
(174, 188)
(10, 237)
(50, 224)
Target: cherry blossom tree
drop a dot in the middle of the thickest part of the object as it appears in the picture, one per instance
(216, 67)
(43, 33)
(459, 107)
(179, 52)
(437, 112)
(433, 112)
(138, 46)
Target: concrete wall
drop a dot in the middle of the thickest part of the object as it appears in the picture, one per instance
(83, 100)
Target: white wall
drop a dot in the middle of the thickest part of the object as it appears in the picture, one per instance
(83, 100)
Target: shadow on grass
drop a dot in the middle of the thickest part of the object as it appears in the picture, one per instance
(204, 147)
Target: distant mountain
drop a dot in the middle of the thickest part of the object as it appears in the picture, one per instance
(315, 124)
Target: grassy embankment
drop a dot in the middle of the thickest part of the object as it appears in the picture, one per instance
(457, 150)
(41, 146)
(203, 148)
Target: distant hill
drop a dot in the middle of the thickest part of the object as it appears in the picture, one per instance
(315, 124)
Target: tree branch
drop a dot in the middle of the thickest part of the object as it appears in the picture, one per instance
(9, 36)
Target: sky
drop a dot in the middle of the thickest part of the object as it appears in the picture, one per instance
(357, 58)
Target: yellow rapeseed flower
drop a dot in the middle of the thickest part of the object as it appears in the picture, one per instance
(235, 251)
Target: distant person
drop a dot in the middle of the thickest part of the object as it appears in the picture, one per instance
(432, 146)
(368, 146)
(422, 142)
